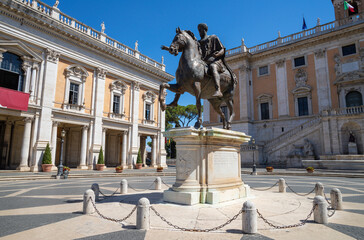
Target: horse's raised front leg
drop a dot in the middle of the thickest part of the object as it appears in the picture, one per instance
(162, 94)
(197, 90)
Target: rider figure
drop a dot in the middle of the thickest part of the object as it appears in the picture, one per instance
(212, 53)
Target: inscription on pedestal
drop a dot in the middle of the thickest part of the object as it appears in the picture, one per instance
(225, 164)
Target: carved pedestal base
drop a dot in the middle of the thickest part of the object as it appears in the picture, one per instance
(353, 149)
(207, 166)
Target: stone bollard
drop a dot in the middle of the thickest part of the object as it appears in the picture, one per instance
(143, 214)
(88, 208)
(250, 218)
(158, 183)
(124, 186)
(336, 199)
(320, 212)
(96, 189)
(319, 189)
(282, 185)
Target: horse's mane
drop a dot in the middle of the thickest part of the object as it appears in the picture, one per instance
(191, 34)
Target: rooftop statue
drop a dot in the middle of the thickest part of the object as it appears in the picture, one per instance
(202, 72)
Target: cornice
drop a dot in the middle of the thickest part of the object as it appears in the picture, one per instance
(29, 17)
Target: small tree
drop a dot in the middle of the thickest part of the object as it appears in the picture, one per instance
(47, 157)
(101, 157)
(139, 158)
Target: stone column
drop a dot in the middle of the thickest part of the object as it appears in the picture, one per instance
(7, 138)
(322, 80)
(134, 119)
(162, 149)
(97, 138)
(103, 140)
(34, 165)
(154, 151)
(282, 89)
(27, 73)
(35, 70)
(83, 149)
(54, 143)
(47, 103)
(24, 154)
(123, 149)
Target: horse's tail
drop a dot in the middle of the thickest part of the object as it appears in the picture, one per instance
(232, 74)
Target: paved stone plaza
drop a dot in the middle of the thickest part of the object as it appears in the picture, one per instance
(46, 209)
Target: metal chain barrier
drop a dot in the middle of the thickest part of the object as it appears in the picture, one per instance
(327, 200)
(193, 229)
(265, 188)
(166, 184)
(287, 226)
(112, 219)
(142, 190)
(111, 194)
(332, 213)
(302, 195)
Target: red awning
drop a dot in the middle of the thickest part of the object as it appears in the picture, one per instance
(13, 99)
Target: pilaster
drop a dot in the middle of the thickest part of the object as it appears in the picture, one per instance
(24, 155)
(322, 80)
(282, 89)
(135, 117)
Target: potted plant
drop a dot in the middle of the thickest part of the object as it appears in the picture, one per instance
(159, 169)
(100, 161)
(269, 169)
(139, 162)
(310, 169)
(47, 160)
(66, 171)
(119, 169)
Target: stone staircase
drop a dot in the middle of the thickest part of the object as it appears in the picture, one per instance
(282, 140)
(337, 162)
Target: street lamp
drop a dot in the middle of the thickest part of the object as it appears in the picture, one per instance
(60, 166)
(254, 172)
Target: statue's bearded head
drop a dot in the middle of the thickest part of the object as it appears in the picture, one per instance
(202, 29)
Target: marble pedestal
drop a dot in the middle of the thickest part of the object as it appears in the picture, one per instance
(353, 149)
(207, 166)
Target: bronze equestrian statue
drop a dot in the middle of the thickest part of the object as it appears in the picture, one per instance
(202, 72)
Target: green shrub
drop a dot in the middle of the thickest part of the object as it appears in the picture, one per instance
(310, 169)
(139, 158)
(101, 157)
(47, 156)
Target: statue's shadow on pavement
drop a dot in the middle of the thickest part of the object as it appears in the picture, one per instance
(133, 198)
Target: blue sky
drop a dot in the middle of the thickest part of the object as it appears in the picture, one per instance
(153, 23)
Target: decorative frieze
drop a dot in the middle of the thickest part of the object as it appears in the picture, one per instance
(52, 55)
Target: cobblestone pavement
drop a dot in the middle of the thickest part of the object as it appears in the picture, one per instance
(52, 209)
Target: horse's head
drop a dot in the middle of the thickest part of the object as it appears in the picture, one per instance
(178, 43)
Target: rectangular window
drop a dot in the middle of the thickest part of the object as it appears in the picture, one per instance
(300, 61)
(224, 110)
(147, 111)
(302, 106)
(116, 104)
(264, 111)
(349, 49)
(73, 96)
(263, 70)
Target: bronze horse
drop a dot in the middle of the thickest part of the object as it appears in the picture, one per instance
(192, 77)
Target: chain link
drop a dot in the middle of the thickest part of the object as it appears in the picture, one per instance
(112, 219)
(302, 195)
(193, 229)
(142, 190)
(111, 194)
(287, 226)
(265, 188)
(327, 200)
(166, 184)
(332, 213)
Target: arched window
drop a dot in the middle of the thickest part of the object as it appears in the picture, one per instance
(355, 5)
(353, 98)
(11, 73)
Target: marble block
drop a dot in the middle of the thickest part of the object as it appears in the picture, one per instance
(353, 149)
(207, 166)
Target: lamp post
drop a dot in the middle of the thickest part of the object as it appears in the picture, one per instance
(254, 172)
(60, 166)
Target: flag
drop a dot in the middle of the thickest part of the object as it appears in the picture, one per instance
(348, 6)
(304, 26)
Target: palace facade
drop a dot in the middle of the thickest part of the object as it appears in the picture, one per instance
(61, 79)
(301, 96)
